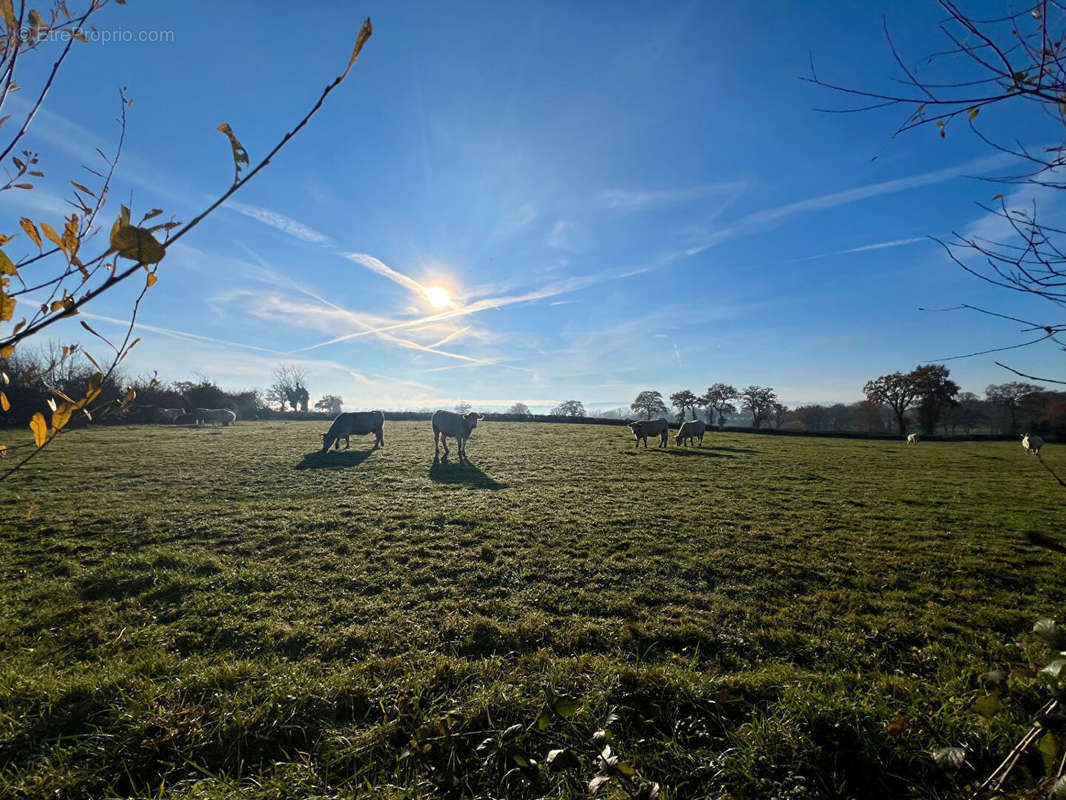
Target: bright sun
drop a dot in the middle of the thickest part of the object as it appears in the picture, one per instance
(438, 297)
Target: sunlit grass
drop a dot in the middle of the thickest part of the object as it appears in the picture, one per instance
(229, 612)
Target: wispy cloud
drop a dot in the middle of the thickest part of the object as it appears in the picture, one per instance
(176, 334)
(516, 220)
(279, 221)
(628, 201)
(559, 235)
(551, 290)
(399, 392)
(867, 247)
(768, 218)
(381, 268)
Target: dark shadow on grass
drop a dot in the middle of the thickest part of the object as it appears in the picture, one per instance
(446, 471)
(334, 459)
(708, 452)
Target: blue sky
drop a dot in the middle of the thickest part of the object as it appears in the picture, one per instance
(615, 197)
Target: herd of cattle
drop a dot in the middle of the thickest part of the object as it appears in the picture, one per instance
(450, 425)
(201, 416)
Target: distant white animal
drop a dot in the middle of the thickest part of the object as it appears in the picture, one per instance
(220, 416)
(643, 428)
(1032, 443)
(355, 423)
(913, 438)
(458, 426)
(170, 414)
(693, 429)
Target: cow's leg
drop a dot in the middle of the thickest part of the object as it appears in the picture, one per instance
(436, 445)
(347, 442)
(462, 448)
(444, 441)
(381, 438)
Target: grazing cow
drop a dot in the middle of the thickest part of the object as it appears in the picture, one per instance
(458, 426)
(355, 423)
(170, 415)
(1032, 443)
(693, 429)
(221, 416)
(913, 438)
(644, 428)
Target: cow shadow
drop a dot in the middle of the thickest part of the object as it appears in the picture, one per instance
(334, 459)
(465, 473)
(705, 452)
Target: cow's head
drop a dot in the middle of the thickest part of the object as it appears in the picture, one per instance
(471, 419)
(635, 427)
(327, 440)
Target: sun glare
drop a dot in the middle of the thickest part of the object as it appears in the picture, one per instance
(438, 297)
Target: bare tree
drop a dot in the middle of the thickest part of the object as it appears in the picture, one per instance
(1010, 396)
(330, 403)
(779, 411)
(997, 64)
(520, 409)
(935, 393)
(647, 403)
(570, 408)
(683, 401)
(290, 386)
(896, 391)
(462, 407)
(758, 401)
(718, 400)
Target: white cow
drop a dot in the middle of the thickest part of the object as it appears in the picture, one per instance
(693, 429)
(644, 428)
(1032, 443)
(355, 423)
(221, 416)
(458, 426)
(913, 438)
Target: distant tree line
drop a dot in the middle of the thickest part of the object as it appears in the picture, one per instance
(33, 377)
(924, 399)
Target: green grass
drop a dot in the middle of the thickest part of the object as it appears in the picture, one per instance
(227, 613)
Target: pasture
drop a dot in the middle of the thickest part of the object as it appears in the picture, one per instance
(229, 613)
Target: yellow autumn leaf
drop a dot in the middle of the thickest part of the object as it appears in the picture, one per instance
(8, 351)
(31, 230)
(152, 279)
(39, 428)
(7, 308)
(5, 404)
(136, 244)
(61, 416)
(3, 451)
(7, 11)
(51, 234)
(7, 267)
(240, 155)
(364, 34)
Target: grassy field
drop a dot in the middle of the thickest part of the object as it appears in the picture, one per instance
(228, 613)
